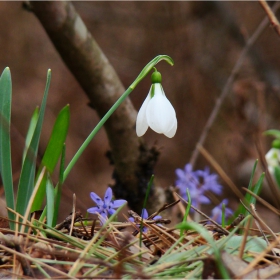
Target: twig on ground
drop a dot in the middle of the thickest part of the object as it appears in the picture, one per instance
(260, 220)
(244, 240)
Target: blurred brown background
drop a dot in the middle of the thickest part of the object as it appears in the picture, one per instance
(205, 39)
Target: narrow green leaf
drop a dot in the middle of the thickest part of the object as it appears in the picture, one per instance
(52, 153)
(57, 139)
(5, 141)
(273, 132)
(250, 198)
(255, 189)
(50, 202)
(30, 132)
(58, 189)
(277, 175)
(27, 176)
(252, 174)
(241, 209)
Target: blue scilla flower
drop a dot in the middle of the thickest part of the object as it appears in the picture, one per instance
(209, 181)
(145, 216)
(216, 213)
(106, 206)
(186, 178)
(198, 183)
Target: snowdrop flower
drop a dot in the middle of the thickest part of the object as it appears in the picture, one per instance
(156, 112)
(106, 206)
(273, 159)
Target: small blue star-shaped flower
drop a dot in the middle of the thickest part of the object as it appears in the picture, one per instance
(106, 206)
(198, 183)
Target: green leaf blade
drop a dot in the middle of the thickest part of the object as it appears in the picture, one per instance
(27, 176)
(50, 202)
(53, 152)
(57, 139)
(5, 141)
(30, 132)
(273, 132)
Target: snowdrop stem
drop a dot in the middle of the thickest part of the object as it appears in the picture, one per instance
(187, 211)
(140, 77)
(144, 206)
(149, 67)
(223, 215)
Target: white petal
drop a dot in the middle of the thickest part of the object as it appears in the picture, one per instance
(141, 121)
(272, 157)
(160, 113)
(172, 131)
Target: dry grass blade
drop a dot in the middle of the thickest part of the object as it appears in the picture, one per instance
(27, 212)
(243, 244)
(73, 216)
(33, 260)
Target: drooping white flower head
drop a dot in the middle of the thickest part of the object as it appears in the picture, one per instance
(273, 159)
(156, 112)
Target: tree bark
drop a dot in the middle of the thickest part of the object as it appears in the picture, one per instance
(133, 161)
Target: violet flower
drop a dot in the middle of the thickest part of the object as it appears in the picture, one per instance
(198, 182)
(210, 181)
(145, 216)
(106, 206)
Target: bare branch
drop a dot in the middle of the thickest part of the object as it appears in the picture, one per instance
(272, 18)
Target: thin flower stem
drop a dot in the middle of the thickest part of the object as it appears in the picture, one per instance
(144, 207)
(187, 211)
(140, 77)
(229, 83)
(223, 215)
